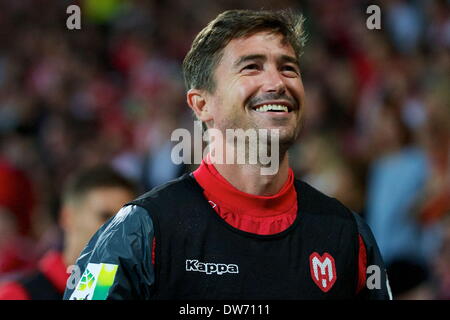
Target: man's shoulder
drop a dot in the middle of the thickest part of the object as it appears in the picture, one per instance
(129, 214)
(170, 188)
(314, 200)
(170, 197)
(130, 222)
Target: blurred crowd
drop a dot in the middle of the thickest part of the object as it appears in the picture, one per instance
(377, 117)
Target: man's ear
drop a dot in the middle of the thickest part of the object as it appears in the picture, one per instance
(196, 100)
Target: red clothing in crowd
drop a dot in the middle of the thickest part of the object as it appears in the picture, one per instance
(51, 266)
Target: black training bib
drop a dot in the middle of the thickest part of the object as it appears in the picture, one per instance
(200, 256)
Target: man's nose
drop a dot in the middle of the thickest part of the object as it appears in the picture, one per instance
(273, 82)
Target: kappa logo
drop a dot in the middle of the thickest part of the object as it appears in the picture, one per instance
(323, 270)
(210, 268)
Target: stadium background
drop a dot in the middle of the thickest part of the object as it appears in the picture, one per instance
(377, 115)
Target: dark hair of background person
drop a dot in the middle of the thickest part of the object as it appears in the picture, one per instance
(83, 181)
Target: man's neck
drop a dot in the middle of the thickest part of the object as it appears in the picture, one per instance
(248, 178)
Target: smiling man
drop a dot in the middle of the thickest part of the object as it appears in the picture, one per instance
(226, 231)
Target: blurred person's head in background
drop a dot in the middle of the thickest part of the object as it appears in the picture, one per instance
(323, 165)
(390, 133)
(90, 198)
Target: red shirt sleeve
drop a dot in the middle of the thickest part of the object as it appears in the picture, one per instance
(13, 291)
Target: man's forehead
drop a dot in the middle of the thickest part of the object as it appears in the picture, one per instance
(263, 39)
(257, 43)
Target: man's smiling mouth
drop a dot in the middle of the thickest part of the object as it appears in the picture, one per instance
(272, 108)
(277, 104)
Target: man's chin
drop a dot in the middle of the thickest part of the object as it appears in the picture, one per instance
(286, 142)
(283, 137)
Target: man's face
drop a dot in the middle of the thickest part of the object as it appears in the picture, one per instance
(94, 210)
(255, 72)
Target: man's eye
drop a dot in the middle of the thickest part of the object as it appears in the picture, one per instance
(252, 66)
(290, 68)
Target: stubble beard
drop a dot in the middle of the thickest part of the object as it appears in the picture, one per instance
(285, 137)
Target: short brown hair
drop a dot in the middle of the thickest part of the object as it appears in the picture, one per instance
(206, 51)
(80, 183)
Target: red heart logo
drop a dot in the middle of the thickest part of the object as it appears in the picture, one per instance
(323, 270)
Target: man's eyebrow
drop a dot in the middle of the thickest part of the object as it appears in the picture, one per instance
(286, 58)
(249, 57)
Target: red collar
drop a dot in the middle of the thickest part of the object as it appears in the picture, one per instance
(53, 267)
(243, 203)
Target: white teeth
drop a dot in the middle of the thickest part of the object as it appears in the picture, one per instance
(272, 107)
